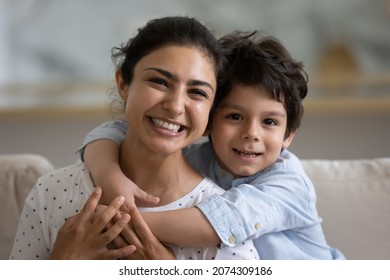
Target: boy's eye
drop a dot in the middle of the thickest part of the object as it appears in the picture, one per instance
(234, 116)
(270, 122)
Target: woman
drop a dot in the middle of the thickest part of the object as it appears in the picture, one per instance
(167, 78)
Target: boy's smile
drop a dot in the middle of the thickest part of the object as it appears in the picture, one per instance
(248, 131)
(246, 154)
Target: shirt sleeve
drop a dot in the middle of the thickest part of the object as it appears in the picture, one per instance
(113, 130)
(281, 200)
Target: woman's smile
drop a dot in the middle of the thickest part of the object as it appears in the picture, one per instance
(161, 124)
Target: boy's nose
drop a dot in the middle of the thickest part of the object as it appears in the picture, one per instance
(251, 133)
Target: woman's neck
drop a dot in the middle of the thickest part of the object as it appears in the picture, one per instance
(168, 177)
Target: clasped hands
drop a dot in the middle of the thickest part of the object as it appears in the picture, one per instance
(104, 232)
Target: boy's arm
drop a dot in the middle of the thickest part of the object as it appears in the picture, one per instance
(102, 160)
(187, 227)
(101, 155)
(100, 151)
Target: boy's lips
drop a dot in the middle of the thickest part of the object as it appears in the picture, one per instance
(244, 153)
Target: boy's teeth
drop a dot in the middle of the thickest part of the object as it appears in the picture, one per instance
(252, 154)
(170, 126)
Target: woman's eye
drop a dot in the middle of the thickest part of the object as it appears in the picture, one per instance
(270, 122)
(234, 116)
(159, 81)
(200, 93)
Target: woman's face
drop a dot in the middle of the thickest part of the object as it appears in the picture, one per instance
(169, 99)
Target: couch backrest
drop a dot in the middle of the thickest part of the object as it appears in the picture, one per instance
(18, 174)
(353, 198)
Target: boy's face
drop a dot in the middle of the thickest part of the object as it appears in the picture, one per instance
(248, 131)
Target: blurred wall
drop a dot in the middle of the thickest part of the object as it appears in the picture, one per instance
(321, 136)
(55, 67)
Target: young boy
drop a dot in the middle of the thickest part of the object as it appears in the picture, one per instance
(269, 198)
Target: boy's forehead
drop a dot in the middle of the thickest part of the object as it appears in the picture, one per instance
(251, 96)
(240, 90)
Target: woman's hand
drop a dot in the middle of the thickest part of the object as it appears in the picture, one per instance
(139, 234)
(86, 236)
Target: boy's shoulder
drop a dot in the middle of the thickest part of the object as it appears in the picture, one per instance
(287, 161)
(200, 155)
(199, 151)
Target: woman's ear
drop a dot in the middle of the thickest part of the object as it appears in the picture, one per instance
(121, 85)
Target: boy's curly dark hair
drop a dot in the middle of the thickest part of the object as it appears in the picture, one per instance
(253, 60)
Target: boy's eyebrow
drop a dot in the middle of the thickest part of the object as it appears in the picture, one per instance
(238, 107)
(275, 113)
(176, 78)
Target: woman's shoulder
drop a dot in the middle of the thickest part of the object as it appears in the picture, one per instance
(65, 179)
(209, 186)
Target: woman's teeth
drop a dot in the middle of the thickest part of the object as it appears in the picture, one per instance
(169, 126)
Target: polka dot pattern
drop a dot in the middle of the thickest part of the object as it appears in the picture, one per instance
(63, 192)
(205, 189)
(55, 197)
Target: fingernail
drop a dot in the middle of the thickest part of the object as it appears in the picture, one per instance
(98, 190)
(126, 218)
(121, 199)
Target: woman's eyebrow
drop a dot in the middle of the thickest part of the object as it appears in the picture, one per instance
(176, 78)
(164, 73)
(200, 83)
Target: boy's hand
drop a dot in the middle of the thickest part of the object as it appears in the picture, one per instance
(148, 247)
(102, 159)
(121, 185)
(82, 237)
(140, 197)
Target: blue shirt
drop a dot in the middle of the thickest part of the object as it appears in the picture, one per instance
(275, 207)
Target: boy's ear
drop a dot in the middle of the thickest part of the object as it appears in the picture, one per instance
(121, 85)
(288, 140)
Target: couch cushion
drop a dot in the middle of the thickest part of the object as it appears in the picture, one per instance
(353, 198)
(18, 174)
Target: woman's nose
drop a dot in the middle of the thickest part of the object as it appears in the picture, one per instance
(174, 103)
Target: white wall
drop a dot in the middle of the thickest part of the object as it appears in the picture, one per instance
(57, 138)
(39, 46)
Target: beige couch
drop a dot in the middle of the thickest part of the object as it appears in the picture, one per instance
(18, 173)
(353, 200)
